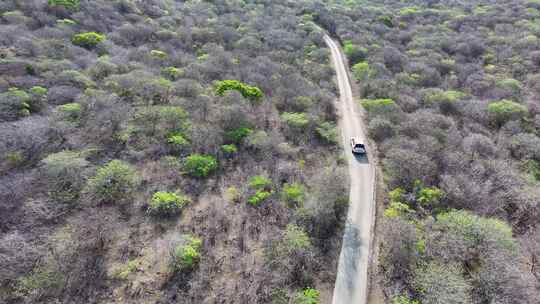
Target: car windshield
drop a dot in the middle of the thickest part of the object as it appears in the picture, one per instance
(359, 146)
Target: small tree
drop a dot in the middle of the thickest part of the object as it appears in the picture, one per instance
(503, 111)
(253, 94)
(198, 165)
(113, 182)
(361, 71)
(68, 4)
(167, 203)
(186, 257)
(307, 296)
(65, 174)
(294, 194)
(88, 40)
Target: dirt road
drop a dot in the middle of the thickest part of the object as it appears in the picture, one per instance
(351, 285)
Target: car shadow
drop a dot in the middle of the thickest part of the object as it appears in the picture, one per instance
(361, 158)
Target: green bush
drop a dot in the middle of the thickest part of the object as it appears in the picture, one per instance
(198, 165)
(259, 197)
(294, 239)
(177, 141)
(375, 107)
(186, 257)
(14, 104)
(328, 132)
(229, 150)
(88, 40)
(404, 299)
(172, 73)
(237, 135)
(503, 111)
(254, 94)
(113, 182)
(354, 52)
(307, 296)
(386, 20)
(474, 230)
(68, 4)
(294, 194)
(510, 84)
(167, 203)
(259, 182)
(361, 71)
(295, 120)
(64, 172)
(71, 111)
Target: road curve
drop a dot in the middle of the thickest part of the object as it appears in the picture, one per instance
(351, 285)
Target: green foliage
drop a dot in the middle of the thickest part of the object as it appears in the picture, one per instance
(398, 209)
(229, 150)
(386, 20)
(14, 104)
(71, 111)
(237, 135)
(172, 73)
(404, 299)
(294, 239)
(198, 165)
(307, 296)
(260, 182)
(124, 271)
(474, 230)
(295, 120)
(362, 71)
(254, 94)
(113, 182)
(375, 107)
(186, 257)
(510, 84)
(328, 132)
(259, 197)
(429, 196)
(88, 40)
(38, 90)
(294, 194)
(68, 4)
(505, 110)
(167, 203)
(178, 141)
(440, 96)
(354, 52)
(64, 172)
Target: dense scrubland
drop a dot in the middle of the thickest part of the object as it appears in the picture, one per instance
(167, 152)
(451, 94)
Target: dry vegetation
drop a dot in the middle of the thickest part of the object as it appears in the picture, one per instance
(451, 91)
(166, 152)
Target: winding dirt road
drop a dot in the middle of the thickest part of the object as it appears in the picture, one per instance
(351, 285)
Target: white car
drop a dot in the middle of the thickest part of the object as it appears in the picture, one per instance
(357, 146)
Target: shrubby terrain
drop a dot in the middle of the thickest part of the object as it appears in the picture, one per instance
(167, 152)
(451, 93)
